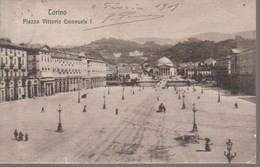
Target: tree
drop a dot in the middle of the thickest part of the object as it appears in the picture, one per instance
(200, 77)
(6, 40)
(194, 75)
(127, 77)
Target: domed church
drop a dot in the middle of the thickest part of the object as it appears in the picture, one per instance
(166, 68)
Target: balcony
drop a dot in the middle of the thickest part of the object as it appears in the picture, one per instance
(2, 66)
(11, 66)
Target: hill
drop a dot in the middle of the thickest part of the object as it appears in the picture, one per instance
(189, 50)
(213, 36)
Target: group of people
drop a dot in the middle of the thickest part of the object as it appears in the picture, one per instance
(19, 136)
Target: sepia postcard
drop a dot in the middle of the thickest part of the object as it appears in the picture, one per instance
(128, 82)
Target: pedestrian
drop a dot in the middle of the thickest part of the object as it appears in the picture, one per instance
(15, 134)
(236, 106)
(207, 147)
(198, 97)
(158, 98)
(26, 136)
(84, 109)
(20, 136)
(117, 111)
(43, 109)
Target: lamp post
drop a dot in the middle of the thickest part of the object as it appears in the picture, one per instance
(78, 96)
(123, 96)
(229, 155)
(59, 129)
(104, 105)
(183, 104)
(195, 128)
(218, 94)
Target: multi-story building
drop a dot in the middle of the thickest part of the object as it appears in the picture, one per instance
(13, 72)
(223, 71)
(137, 71)
(59, 71)
(97, 72)
(207, 72)
(243, 64)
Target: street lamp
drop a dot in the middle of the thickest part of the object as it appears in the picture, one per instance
(183, 104)
(229, 155)
(59, 129)
(78, 96)
(218, 95)
(123, 96)
(195, 128)
(104, 105)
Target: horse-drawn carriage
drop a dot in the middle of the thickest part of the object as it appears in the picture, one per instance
(84, 95)
(162, 108)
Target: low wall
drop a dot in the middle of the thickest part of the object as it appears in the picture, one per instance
(179, 83)
(147, 83)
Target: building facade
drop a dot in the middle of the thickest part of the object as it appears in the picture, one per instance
(223, 71)
(244, 71)
(166, 68)
(97, 72)
(13, 72)
(58, 71)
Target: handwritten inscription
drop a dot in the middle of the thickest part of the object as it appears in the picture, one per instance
(123, 14)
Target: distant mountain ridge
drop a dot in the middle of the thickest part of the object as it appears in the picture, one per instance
(211, 36)
(199, 47)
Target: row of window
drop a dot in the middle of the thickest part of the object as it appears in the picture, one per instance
(11, 51)
(14, 61)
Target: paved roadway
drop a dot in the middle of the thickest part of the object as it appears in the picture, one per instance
(137, 135)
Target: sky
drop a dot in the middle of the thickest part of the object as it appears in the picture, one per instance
(123, 19)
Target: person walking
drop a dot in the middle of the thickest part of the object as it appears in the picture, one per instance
(26, 136)
(207, 147)
(43, 109)
(84, 109)
(236, 106)
(20, 136)
(15, 134)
